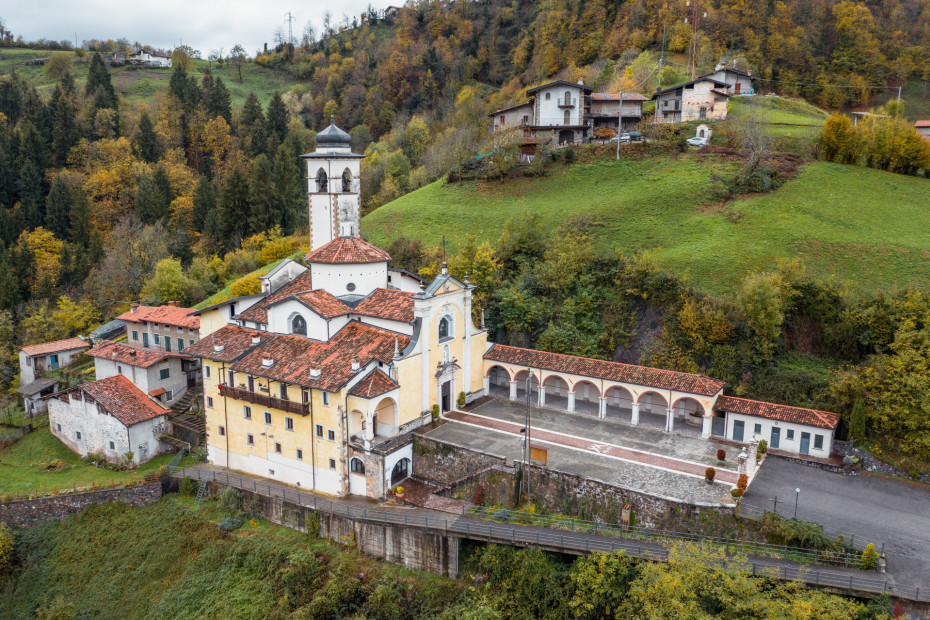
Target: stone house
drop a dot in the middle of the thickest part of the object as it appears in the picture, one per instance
(738, 82)
(606, 107)
(162, 328)
(159, 374)
(923, 128)
(37, 359)
(700, 99)
(111, 417)
(33, 395)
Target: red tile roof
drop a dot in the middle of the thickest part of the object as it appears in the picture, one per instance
(374, 384)
(257, 313)
(68, 344)
(235, 342)
(611, 371)
(784, 413)
(294, 357)
(616, 97)
(922, 124)
(387, 303)
(124, 401)
(323, 303)
(129, 354)
(348, 250)
(169, 315)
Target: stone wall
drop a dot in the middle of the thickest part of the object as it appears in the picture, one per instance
(26, 513)
(444, 463)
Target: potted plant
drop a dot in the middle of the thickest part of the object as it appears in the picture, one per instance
(721, 455)
(709, 475)
(435, 412)
(736, 493)
(399, 492)
(461, 399)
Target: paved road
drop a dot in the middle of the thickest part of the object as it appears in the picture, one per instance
(881, 509)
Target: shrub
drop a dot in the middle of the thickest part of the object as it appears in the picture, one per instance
(569, 154)
(763, 447)
(461, 399)
(737, 492)
(312, 523)
(477, 497)
(200, 454)
(228, 501)
(129, 456)
(6, 548)
(709, 474)
(230, 523)
(435, 412)
(721, 454)
(869, 557)
(742, 482)
(188, 487)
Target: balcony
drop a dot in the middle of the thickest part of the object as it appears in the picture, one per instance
(265, 401)
(567, 103)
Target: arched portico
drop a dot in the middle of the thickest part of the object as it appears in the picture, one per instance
(554, 392)
(520, 384)
(653, 410)
(497, 382)
(586, 398)
(689, 416)
(357, 425)
(384, 418)
(618, 404)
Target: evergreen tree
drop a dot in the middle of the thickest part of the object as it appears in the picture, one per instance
(251, 112)
(153, 196)
(9, 285)
(99, 86)
(263, 214)
(7, 174)
(184, 87)
(204, 203)
(233, 212)
(289, 190)
(146, 140)
(63, 112)
(88, 244)
(857, 421)
(277, 120)
(58, 208)
(163, 191)
(219, 103)
(30, 194)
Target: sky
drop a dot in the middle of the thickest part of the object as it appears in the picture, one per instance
(205, 25)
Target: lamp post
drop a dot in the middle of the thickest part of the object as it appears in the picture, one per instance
(797, 495)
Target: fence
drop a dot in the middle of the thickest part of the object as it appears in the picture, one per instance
(856, 541)
(521, 535)
(173, 464)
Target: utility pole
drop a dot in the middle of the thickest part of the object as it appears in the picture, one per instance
(619, 123)
(290, 31)
(529, 393)
(662, 53)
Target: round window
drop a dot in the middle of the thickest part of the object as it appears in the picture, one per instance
(350, 287)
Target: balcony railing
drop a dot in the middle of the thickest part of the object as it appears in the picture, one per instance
(567, 103)
(265, 401)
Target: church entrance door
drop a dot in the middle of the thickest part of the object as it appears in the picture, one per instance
(447, 396)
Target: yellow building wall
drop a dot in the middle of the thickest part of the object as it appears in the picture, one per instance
(211, 321)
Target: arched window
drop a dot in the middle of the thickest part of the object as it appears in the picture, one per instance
(346, 181)
(568, 117)
(445, 328)
(548, 96)
(445, 354)
(356, 466)
(568, 97)
(321, 181)
(400, 471)
(299, 325)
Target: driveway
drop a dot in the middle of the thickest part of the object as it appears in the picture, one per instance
(876, 509)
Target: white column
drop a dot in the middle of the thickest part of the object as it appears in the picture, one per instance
(571, 402)
(635, 418)
(466, 351)
(542, 396)
(425, 327)
(602, 407)
(705, 430)
(513, 390)
(670, 419)
(487, 385)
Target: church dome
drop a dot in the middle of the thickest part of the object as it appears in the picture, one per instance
(332, 135)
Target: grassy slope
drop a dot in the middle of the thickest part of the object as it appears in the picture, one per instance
(790, 118)
(869, 227)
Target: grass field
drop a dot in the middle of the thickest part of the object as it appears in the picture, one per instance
(868, 227)
(22, 467)
(135, 85)
(789, 118)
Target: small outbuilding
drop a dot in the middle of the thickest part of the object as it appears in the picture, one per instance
(33, 395)
(789, 429)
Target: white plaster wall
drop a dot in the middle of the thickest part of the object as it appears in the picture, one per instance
(26, 372)
(403, 281)
(286, 271)
(786, 445)
(286, 470)
(549, 111)
(391, 460)
(394, 326)
(335, 278)
(280, 315)
(513, 117)
(146, 379)
(701, 96)
(323, 225)
(98, 429)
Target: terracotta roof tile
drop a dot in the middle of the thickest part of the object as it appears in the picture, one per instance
(169, 315)
(234, 342)
(387, 304)
(374, 384)
(350, 250)
(600, 369)
(131, 355)
(258, 314)
(56, 346)
(784, 413)
(922, 124)
(123, 400)
(322, 303)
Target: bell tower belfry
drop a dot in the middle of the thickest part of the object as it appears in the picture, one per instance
(333, 185)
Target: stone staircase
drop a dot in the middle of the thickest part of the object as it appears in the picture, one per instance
(187, 430)
(183, 404)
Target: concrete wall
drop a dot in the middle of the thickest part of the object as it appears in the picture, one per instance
(26, 513)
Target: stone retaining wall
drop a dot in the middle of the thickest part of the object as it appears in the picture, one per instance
(443, 463)
(26, 513)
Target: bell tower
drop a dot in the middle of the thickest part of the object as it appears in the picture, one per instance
(333, 185)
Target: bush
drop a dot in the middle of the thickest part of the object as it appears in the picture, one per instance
(228, 500)
(568, 154)
(721, 454)
(435, 412)
(709, 474)
(869, 557)
(188, 487)
(6, 548)
(312, 523)
(763, 447)
(737, 492)
(477, 497)
(230, 523)
(742, 482)
(461, 399)
(200, 454)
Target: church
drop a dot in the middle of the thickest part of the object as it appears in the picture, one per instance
(318, 380)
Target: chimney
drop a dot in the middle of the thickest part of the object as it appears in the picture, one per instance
(173, 304)
(720, 66)
(256, 339)
(355, 365)
(499, 108)
(218, 348)
(581, 81)
(132, 355)
(266, 48)
(267, 362)
(133, 307)
(315, 373)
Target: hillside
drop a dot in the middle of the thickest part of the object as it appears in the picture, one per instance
(870, 228)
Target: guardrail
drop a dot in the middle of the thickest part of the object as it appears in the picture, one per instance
(173, 464)
(855, 541)
(732, 545)
(536, 536)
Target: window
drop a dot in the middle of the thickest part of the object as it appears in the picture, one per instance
(331, 435)
(332, 463)
(190, 342)
(135, 335)
(167, 344)
(284, 391)
(250, 439)
(181, 344)
(300, 454)
(568, 97)
(210, 402)
(222, 430)
(306, 396)
(702, 113)
(232, 379)
(567, 117)
(321, 181)
(299, 325)
(277, 447)
(168, 395)
(29, 359)
(267, 417)
(325, 399)
(789, 434)
(289, 424)
(119, 369)
(346, 181)
(145, 339)
(738, 430)
(818, 442)
(548, 96)
(112, 446)
(164, 373)
(206, 371)
(445, 327)
(59, 428)
(247, 412)
(77, 434)
(757, 429)
(319, 430)
(156, 339)
(502, 119)
(356, 466)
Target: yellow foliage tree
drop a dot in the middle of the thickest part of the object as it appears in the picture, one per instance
(45, 250)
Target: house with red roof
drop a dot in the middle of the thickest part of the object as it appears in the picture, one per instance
(162, 375)
(35, 360)
(923, 128)
(150, 58)
(111, 417)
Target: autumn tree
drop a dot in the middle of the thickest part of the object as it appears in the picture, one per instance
(238, 57)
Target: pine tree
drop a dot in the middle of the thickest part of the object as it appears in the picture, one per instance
(857, 421)
(146, 140)
(80, 229)
(204, 203)
(99, 85)
(233, 212)
(288, 189)
(277, 120)
(184, 88)
(30, 194)
(163, 192)
(61, 108)
(263, 215)
(219, 104)
(251, 112)
(58, 208)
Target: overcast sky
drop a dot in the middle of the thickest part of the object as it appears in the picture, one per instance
(203, 24)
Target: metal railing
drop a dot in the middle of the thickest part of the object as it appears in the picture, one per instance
(732, 545)
(856, 541)
(265, 401)
(173, 464)
(520, 535)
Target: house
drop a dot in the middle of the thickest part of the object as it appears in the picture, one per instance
(163, 328)
(923, 128)
(150, 59)
(607, 107)
(111, 417)
(109, 330)
(162, 375)
(738, 82)
(789, 429)
(703, 98)
(33, 395)
(37, 359)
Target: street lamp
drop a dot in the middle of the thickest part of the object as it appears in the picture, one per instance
(797, 495)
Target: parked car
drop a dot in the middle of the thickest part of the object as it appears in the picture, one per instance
(698, 141)
(622, 138)
(635, 136)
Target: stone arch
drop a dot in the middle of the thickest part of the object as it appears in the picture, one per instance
(689, 415)
(297, 324)
(357, 425)
(520, 378)
(653, 409)
(587, 397)
(322, 181)
(386, 414)
(357, 466)
(498, 381)
(618, 403)
(556, 390)
(346, 181)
